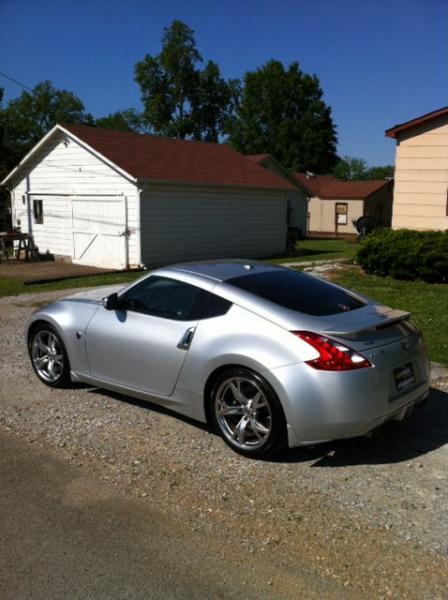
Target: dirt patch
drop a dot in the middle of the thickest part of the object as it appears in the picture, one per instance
(42, 271)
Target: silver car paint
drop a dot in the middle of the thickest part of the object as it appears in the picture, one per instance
(119, 352)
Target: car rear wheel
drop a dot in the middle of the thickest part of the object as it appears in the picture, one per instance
(49, 357)
(247, 413)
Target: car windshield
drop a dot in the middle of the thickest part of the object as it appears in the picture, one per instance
(297, 291)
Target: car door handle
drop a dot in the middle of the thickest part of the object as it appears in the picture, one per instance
(186, 339)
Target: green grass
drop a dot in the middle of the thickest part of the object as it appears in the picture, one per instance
(13, 287)
(309, 250)
(427, 303)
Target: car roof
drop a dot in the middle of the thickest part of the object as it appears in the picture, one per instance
(222, 270)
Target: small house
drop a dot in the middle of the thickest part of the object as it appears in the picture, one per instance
(334, 204)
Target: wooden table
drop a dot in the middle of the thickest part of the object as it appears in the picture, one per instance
(26, 244)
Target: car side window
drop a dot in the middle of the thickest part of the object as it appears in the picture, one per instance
(162, 297)
(172, 299)
(209, 305)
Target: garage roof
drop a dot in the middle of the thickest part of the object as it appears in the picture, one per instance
(328, 187)
(171, 160)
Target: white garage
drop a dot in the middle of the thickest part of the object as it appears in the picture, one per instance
(116, 199)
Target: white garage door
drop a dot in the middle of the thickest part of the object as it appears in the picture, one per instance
(99, 227)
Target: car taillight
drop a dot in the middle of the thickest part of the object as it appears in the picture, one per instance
(333, 356)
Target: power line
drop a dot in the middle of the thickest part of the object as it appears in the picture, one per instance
(25, 87)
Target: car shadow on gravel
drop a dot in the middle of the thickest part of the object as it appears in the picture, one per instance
(425, 430)
(148, 405)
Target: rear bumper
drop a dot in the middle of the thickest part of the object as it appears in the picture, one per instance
(321, 406)
(360, 428)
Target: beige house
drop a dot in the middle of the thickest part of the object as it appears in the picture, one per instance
(421, 172)
(334, 203)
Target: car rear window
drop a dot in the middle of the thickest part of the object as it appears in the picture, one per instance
(297, 291)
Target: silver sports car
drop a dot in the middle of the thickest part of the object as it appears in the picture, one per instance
(270, 356)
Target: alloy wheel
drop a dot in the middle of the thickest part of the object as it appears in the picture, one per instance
(243, 413)
(47, 356)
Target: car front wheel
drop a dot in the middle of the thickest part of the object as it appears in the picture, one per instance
(49, 357)
(247, 413)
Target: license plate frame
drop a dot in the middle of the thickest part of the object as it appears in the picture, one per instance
(404, 377)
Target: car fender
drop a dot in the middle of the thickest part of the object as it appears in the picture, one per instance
(70, 319)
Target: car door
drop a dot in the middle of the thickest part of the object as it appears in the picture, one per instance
(143, 344)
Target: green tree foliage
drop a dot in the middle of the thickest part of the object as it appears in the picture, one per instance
(124, 120)
(179, 99)
(214, 99)
(281, 112)
(30, 116)
(5, 165)
(352, 168)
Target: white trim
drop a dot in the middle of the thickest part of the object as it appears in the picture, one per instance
(138, 225)
(83, 144)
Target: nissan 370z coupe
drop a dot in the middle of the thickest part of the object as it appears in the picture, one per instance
(269, 356)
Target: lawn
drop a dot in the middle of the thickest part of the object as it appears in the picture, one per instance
(427, 302)
(317, 249)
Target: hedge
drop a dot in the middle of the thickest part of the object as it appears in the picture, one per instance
(406, 254)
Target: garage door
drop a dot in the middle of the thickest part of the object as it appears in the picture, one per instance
(99, 227)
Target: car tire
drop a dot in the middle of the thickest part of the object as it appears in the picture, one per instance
(49, 356)
(247, 413)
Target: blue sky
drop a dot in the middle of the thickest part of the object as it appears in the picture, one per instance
(379, 62)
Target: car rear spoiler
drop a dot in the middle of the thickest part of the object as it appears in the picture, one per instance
(379, 321)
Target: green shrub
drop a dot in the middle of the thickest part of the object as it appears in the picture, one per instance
(406, 254)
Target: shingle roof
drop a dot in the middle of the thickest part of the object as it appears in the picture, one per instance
(171, 160)
(257, 157)
(392, 131)
(328, 187)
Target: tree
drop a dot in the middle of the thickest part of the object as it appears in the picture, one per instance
(351, 168)
(357, 169)
(30, 116)
(179, 99)
(124, 120)
(281, 112)
(213, 101)
(5, 166)
(385, 172)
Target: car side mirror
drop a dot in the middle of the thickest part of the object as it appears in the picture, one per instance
(112, 302)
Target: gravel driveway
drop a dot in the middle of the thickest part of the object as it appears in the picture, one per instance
(366, 518)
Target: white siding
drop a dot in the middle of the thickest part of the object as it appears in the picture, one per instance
(186, 223)
(62, 169)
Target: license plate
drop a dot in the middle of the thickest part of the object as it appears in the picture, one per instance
(404, 376)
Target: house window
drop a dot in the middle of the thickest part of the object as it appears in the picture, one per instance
(341, 213)
(38, 212)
